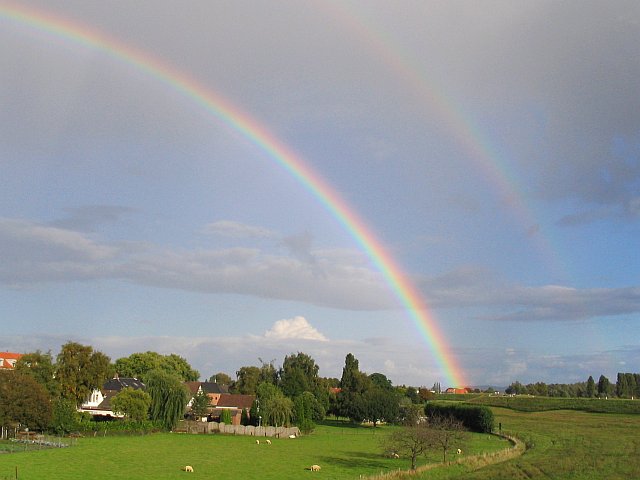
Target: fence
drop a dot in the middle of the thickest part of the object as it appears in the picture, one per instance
(20, 441)
(186, 426)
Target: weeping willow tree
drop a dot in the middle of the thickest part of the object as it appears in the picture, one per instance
(169, 398)
(279, 411)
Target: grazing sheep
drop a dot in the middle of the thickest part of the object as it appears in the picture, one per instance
(188, 468)
(292, 436)
(459, 451)
(268, 442)
(315, 468)
(395, 455)
(257, 442)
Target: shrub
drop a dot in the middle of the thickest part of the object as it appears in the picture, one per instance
(225, 417)
(477, 418)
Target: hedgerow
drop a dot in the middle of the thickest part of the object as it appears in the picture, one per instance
(477, 418)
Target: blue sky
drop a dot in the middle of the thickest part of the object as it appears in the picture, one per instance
(493, 148)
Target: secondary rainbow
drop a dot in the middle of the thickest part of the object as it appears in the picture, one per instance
(481, 150)
(284, 156)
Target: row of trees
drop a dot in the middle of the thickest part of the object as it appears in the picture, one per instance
(44, 393)
(627, 386)
(293, 393)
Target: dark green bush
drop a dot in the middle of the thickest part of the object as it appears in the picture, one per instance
(476, 418)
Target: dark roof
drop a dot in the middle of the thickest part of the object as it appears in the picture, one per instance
(207, 387)
(238, 401)
(211, 387)
(118, 383)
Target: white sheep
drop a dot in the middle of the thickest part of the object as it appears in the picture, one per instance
(315, 468)
(188, 468)
(459, 451)
(257, 442)
(268, 442)
(395, 455)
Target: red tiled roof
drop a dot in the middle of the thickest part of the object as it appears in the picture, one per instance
(8, 360)
(238, 401)
(193, 387)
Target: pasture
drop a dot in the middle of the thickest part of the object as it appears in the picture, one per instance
(343, 452)
(563, 444)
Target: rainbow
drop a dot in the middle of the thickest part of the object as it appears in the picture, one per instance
(480, 150)
(280, 153)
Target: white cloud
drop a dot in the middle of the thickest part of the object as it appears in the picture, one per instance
(294, 328)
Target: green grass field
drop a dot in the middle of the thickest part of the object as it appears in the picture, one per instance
(342, 451)
(563, 444)
(527, 403)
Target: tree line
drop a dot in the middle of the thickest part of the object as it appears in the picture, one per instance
(44, 393)
(627, 385)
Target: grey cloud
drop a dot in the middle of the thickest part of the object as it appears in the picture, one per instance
(477, 287)
(232, 229)
(88, 217)
(37, 253)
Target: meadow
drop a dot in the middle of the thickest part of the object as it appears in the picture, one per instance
(561, 444)
(526, 403)
(344, 452)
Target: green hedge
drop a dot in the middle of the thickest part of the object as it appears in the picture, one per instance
(525, 403)
(476, 418)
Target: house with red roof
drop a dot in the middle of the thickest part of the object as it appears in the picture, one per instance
(8, 360)
(458, 390)
(220, 399)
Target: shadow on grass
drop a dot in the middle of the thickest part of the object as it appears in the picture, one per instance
(340, 423)
(357, 460)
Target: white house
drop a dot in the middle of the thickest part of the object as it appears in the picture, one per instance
(99, 401)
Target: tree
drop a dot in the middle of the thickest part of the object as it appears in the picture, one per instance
(200, 405)
(41, 367)
(268, 372)
(380, 404)
(132, 403)
(299, 373)
(381, 381)
(444, 432)
(604, 386)
(516, 388)
(225, 417)
(80, 370)
(221, 378)
(247, 380)
(179, 366)
(307, 410)
(23, 401)
(169, 398)
(425, 395)
(65, 416)
(591, 387)
(411, 441)
(352, 385)
(622, 388)
(139, 365)
(278, 411)
(417, 438)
